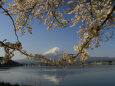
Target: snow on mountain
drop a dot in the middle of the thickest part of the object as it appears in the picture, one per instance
(53, 53)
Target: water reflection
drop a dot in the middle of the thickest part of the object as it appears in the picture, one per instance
(53, 76)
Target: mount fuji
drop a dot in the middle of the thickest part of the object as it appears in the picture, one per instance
(54, 53)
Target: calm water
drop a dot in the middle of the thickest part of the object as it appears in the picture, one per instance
(99, 75)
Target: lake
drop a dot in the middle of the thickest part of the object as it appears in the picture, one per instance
(92, 75)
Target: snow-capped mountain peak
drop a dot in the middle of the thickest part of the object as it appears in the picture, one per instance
(53, 52)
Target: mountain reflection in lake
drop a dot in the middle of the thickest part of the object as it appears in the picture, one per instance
(99, 75)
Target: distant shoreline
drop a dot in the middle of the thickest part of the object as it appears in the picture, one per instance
(9, 63)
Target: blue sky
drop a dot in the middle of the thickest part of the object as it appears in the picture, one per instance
(42, 40)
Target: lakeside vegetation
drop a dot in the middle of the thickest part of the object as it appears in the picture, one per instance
(75, 64)
(8, 84)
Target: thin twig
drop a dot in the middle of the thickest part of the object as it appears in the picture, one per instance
(11, 20)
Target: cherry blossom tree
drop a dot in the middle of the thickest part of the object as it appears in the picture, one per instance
(97, 17)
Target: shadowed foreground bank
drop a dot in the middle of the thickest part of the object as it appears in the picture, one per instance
(8, 84)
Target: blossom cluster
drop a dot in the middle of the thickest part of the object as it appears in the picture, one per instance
(96, 17)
